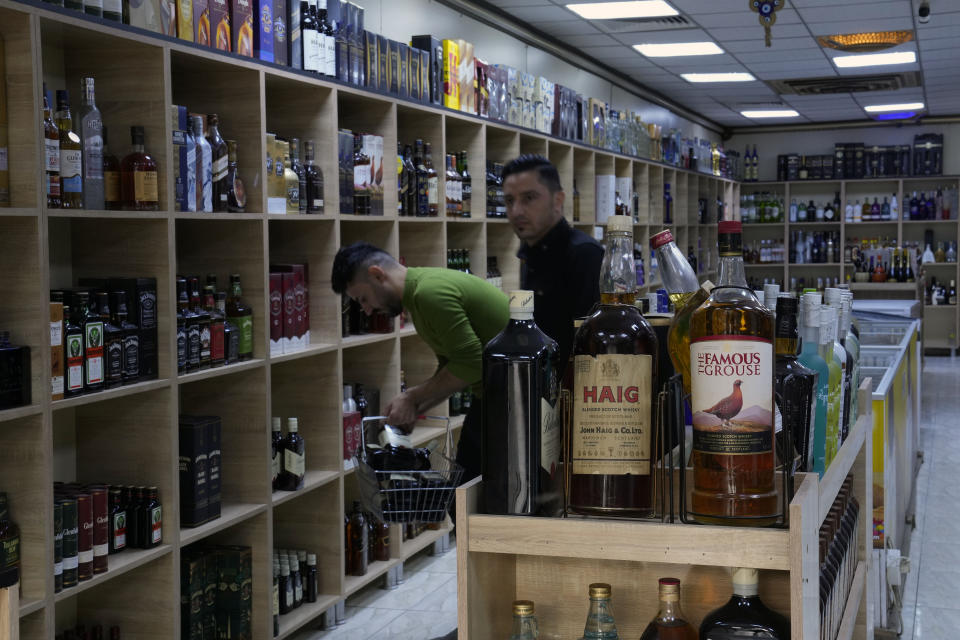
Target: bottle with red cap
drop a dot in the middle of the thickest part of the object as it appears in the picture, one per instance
(670, 623)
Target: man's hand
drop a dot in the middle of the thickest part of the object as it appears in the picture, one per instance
(402, 412)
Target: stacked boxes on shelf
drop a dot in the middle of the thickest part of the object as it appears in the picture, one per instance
(215, 593)
(200, 469)
(289, 308)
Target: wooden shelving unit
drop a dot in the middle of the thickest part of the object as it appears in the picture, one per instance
(941, 329)
(552, 561)
(129, 435)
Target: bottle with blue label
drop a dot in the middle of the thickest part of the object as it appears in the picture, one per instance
(71, 155)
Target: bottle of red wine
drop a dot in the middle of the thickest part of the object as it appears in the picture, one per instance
(522, 433)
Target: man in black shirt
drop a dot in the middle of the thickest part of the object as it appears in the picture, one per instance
(560, 264)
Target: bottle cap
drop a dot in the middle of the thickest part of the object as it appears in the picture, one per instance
(621, 224)
(745, 581)
(311, 559)
(599, 590)
(729, 226)
(669, 589)
(770, 293)
(523, 608)
(521, 301)
(276, 423)
(662, 238)
(292, 425)
(832, 296)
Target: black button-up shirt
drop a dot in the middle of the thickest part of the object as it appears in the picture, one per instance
(563, 271)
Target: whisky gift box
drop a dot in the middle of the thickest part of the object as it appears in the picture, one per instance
(14, 376)
(201, 22)
(211, 577)
(276, 313)
(241, 21)
(296, 305)
(280, 28)
(220, 23)
(294, 44)
(263, 30)
(192, 580)
(184, 171)
(383, 63)
(413, 75)
(394, 64)
(345, 166)
(234, 567)
(434, 49)
(451, 79)
(403, 69)
(466, 76)
(185, 20)
(56, 351)
(193, 471)
(168, 18)
(214, 466)
(288, 335)
(342, 17)
(370, 61)
(425, 97)
(145, 14)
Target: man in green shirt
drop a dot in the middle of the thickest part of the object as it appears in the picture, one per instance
(455, 314)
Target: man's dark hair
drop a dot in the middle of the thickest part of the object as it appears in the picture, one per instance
(354, 259)
(549, 177)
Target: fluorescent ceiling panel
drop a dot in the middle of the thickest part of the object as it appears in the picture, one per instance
(717, 77)
(618, 10)
(770, 113)
(875, 59)
(903, 106)
(677, 49)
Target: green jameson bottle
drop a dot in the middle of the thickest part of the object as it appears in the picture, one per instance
(242, 316)
(9, 546)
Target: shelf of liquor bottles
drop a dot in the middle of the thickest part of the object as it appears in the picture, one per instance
(552, 560)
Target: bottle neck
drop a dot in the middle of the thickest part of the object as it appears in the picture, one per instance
(618, 276)
(811, 338)
(675, 270)
(731, 272)
(670, 610)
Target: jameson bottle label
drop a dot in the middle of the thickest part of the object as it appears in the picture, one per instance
(612, 414)
(732, 395)
(93, 338)
(245, 329)
(293, 462)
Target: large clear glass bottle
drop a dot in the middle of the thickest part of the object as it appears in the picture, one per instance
(828, 327)
(521, 435)
(852, 343)
(834, 298)
(91, 138)
(615, 362)
(670, 622)
(600, 624)
(524, 621)
(732, 401)
(810, 358)
(796, 384)
(744, 615)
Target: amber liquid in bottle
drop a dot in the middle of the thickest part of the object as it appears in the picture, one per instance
(670, 622)
(138, 176)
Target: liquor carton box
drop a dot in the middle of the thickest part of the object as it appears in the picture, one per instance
(424, 76)
(276, 314)
(296, 304)
(450, 70)
(394, 65)
(56, 351)
(294, 44)
(220, 23)
(193, 471)
(234, 567)
(413, 66)
(263, 30)
(280, 29)
(355, 43)
(288, 284)
(466, 76)
(370, 63)
(434, 47)
(383, 63)
(345, 167)
(597, 122)
(185, 19)
(214, 466)
(181, 169)
(142, 311)
(342, 37)
(192, 582)
(211, 585)
(352, 421)
(403, 68)
(481, 90)
(606, 200)
(373, 148)
(241, 21)
(201, 22)
(146, 15)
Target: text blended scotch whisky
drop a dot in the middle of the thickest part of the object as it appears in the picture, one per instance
(614, 381)
(732, 374)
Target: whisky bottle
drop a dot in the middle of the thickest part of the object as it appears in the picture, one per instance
(188, 331)
(313, 177)
(810, 357)
(732, 366)
(328, 65)
(310, 38)
(410, 172)
(51, 154)
(203, 321)
(91, 139)
(242, 317)
(111, 178)
(297, 167)
(828, 327)
(796, 385)
(151, 519)
(118, 521)
(744, 615)
(422, 208)
(204, 167)
(276, 452)
(433, 182)
(113, 344)
(834, 298)
(236, 190)
(358, 539)
(466, 182)
(521, 440)
(92, 327)
(231, 333)
(71, 156)
(138, 176)
(600, 624)
(217, 336)
(448, 188)
(615, 360)
(130, 333)
(291, 182)
(219, 159)
(9, 545)
(361, 178)
(291, 478)
(73, 348)
(670, 623)
(524, 621)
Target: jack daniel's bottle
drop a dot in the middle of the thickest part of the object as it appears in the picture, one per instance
(614, 382)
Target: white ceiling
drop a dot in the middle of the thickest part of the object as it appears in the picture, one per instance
(794, 54)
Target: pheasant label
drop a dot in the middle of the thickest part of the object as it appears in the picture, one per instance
(732, 395)
(611, 414)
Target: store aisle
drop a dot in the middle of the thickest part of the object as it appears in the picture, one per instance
(424, 606)
(931, 610)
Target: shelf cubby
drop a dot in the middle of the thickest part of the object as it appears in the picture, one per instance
(530, 144)
(463, 134)
(561, 155)
(209, 85)
(584, 175)
(423, 245)
(641, 184)
(464, 236)
(503, 243)
(378, 232)
(376, 366)
(363, 114)
(24, 112)
(33, 626)
(503, 145)
(655, 193)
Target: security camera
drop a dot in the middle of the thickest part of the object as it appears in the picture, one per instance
(923, 11)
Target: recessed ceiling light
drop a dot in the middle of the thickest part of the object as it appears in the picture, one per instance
(678, 49)
(615, 10)
(903, 106)
(770, 113)
(875, 59)
(897, 115)
(717, 77)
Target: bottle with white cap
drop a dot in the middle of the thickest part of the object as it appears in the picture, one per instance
(522, 436)
(834, 298)
(852, 344)
(810, 358)
(828, 327)
(770, 293)
(745, 615)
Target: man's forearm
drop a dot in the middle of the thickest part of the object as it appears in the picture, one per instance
(435, 389)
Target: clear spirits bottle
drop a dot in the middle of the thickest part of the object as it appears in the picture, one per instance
(600, 624)
(524, 621)
(91, 138)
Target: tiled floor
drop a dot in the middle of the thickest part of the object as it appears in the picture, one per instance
(931, 610)
(424, 606)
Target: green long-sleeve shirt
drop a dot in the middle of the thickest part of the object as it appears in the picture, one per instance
(456, 314)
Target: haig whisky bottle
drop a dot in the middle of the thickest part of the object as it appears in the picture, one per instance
(732, 374)
(614, 382)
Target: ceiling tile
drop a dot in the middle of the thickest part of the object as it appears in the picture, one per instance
(741, 18)
(581, 27)
(698, 7)
(665, 36)
(534, 15)
(754, 32)
(518, 3)
(848, 11)
(590, 40)
(859, 25)
(778, 44)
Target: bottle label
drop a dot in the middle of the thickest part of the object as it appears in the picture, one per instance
(52, 154)
(311, 49)
(70, 170)
(612, 414)
(275, 464)
(551, 434)
(732, 395)
(119, 530)
(145, 186)
(131, 355)
(74, 362)
(220, 168)
(361, 173)
(93, 338)
(293, 462)
(193, 345)
(111, 186)
(156, 525)
(205, 342)
(293, 196)
(432, 188)
(245, 329)
(9, 552)
(93, 153)
(276, 599)
(181, 348)
(216, 341)
(115, 359)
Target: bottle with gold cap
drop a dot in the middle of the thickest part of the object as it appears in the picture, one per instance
(670, 623)
(524, 621)
(744, 615)
(600, 624)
